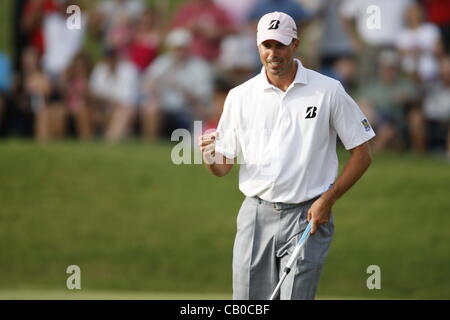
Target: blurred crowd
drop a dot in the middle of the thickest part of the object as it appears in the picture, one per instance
(163, 64)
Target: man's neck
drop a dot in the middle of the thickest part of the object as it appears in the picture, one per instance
(283, 82)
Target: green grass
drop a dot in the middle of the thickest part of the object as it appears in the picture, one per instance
(135, 222)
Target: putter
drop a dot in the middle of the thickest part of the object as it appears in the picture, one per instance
(291, 261)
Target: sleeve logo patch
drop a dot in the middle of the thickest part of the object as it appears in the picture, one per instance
(366, 124)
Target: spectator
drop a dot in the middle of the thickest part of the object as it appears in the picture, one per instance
(237, 60)
(5, 73)
(238, 10)
(119, 34)
(75, 91)
(113, 84)
(373, 26)
(145, 42)
(178, 88)
(389, 103)
(208, 23)
(311, 32)
(19, 36)
(290, 7)
(5, 84)
(61, 43)
(113, 9)
(221, 89)
(30, 101)
(419, 44)
(437, 107)
(343, 69)
(33, 15)
(438, 13)
(112, 20)
(335, 42)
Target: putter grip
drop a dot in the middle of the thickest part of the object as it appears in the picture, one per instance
(299, 247)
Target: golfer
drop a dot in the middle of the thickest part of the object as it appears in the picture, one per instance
(281, 127)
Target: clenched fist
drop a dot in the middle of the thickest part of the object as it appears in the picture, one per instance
(207, 144)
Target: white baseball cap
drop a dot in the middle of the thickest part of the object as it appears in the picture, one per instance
(276, 26)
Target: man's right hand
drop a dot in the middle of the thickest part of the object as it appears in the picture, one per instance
(217, 164)
(207, 144)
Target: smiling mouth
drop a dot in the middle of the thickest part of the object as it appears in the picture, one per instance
(275, 63)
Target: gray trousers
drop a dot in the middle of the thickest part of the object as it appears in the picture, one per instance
(266, 236)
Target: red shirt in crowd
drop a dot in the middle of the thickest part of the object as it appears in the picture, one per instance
(202, 16)
(438, 11)
(143, 50)
(39, 9)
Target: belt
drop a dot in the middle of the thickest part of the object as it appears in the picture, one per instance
(282, 205)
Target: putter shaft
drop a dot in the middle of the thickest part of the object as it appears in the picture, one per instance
(293, 258)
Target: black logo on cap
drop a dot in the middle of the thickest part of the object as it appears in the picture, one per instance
(274, 24)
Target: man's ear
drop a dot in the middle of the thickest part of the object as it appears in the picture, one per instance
(296, 43)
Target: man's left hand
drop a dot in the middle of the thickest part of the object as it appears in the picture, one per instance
(319, 213)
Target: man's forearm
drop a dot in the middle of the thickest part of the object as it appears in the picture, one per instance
(221, 166)
(357, 164)
(219, 170)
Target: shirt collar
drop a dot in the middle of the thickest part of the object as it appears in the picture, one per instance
(300, 76)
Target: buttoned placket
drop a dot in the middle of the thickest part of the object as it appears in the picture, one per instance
(281, 96)
(282, 110)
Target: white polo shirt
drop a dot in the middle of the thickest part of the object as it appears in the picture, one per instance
(286, 141)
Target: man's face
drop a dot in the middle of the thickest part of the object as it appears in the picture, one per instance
(276, 57)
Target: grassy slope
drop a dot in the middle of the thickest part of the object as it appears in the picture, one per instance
(125, 214)
(397, 218)
(134, 221)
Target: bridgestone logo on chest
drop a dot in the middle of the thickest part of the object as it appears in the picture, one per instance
(311, 112)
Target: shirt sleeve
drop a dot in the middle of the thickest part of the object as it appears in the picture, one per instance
(227, 141)
(347, 119)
